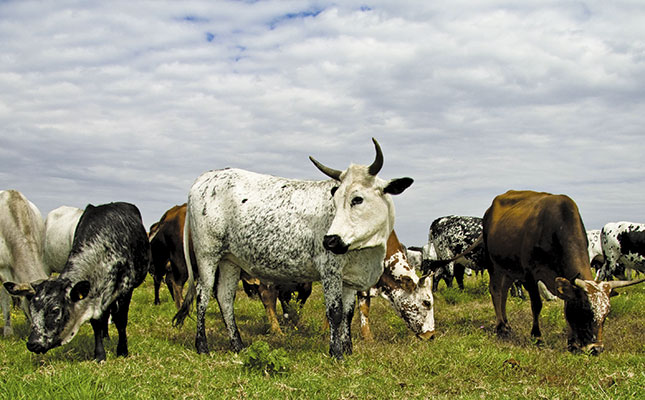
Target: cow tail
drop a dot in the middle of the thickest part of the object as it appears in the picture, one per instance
(186, 306)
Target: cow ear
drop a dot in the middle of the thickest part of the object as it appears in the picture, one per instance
(564, 289)
(20, 289)
(80, 291)
(397, 186)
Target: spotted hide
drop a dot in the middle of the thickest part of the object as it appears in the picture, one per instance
(532, 236)
(21, 248)
(623, 247)
(109, 258)
(595, 249)
(410, 296)
(289, 231)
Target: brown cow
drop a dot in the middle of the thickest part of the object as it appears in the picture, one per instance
(531, 237)
(166, 243)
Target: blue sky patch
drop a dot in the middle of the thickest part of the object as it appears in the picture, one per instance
(313, 13)
(209, 37)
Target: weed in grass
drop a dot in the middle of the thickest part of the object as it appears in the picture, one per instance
(260, 358)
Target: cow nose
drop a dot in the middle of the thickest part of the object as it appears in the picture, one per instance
(335, 244)
(36, 347)
(597, 349)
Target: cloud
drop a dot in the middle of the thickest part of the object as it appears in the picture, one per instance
(133, 100)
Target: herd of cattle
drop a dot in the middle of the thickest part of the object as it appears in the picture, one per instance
(279, 235)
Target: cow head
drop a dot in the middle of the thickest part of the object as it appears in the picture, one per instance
(58, 307)
(364, 210)
(586, 306)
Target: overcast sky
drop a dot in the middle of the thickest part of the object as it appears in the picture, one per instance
(132, 100)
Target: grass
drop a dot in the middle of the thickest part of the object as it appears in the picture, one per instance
(465, 360)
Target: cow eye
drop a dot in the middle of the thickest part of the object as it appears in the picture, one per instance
(427, 303)
(356, 200)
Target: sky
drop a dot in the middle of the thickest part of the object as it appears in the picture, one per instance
(132, 101)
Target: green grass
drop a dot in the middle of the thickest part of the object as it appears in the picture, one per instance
(465, 360)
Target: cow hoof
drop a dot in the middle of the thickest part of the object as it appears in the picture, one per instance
(503, 331)
(538, 342)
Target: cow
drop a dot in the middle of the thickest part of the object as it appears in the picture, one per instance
(21, 248)
(414, 255)
(449, 236)
(536, 236)
(168, 259)
(623, 247)
(166, 245)
(108, 260)
(595, 249)
(284, 230)
(410, 296)
(60, 226)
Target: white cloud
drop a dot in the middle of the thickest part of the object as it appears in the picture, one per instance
(107, 101)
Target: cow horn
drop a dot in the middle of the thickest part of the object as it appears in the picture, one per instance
(330, 172)
(620, 284)
(378, 161)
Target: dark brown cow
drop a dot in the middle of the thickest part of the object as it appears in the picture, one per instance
(166, 243)
(531, 237)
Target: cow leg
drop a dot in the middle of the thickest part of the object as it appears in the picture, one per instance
(99, 325)
(229, 276)
(157, 285)
(333, 293)
(204, 288)
(120, 318)
(498, 288)
(364, 311)
(349, 302)
(536, 307)
(269, 296)
(5, 300)
(459, 270)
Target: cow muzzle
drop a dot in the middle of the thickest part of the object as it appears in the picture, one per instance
(36, 347)
(335, 244)
(426, 335)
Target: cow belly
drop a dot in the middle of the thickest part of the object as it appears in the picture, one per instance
(276, 272)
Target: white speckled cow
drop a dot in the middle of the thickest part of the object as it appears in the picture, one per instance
(21, 248)
(623, 246)
(60, 226)
(108, 259)
(285, 230)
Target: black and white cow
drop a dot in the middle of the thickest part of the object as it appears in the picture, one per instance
(21, 248)
(623, 246)
(109, 258)
(60, 226)
(285, 230)
(448, 237)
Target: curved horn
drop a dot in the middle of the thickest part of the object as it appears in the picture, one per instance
(378, 161)
(620, 284)
(330, 172)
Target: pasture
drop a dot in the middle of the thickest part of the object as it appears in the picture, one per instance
(465, 360)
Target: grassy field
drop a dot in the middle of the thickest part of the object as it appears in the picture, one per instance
(465, 360)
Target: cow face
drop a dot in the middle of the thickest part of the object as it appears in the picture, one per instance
(586, 306)
(58, 308)
(364, 210)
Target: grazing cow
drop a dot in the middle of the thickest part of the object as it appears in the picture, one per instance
(410, 296)
(414, 255)
(531, 236)
(21, 248)
(623, 246)
(285, 230)
(595, 249)
(109, 258)
(60, 226)
(166, 245)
